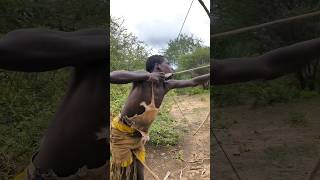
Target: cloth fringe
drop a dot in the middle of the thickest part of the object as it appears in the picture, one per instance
(124, 173)
(126, 150)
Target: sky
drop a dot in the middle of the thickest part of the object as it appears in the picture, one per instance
(155, 22)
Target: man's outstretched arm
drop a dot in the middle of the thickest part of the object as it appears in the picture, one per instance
(172, 84)
(267, 66)
(124, 77)
(42, 49)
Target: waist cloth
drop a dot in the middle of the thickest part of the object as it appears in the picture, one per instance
(126, 147)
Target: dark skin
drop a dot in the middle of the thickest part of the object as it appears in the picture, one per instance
(82, 112)
(268, 66)
(71, 140)
(141, 90)
(142, 84)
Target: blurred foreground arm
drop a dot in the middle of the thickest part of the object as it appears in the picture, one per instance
(42, 49)
(267, 66)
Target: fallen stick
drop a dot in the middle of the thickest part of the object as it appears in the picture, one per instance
(167, 175)
(194, 161)
(183, 116)
(202, 124)
(314, 171)
(145, 165)
(182, 170)
(204, 159)
(195, 168)
(204, 171)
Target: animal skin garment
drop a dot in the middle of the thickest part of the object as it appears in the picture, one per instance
(142, 122)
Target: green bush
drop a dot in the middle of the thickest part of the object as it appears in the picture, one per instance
(227, 95)
(304, 94)
(28, 102)
(191, 91)
(118, 96)
(277, 91)
(260, 93)
(164, 130)
(298, 119)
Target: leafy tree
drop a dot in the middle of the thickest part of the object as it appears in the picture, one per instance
(55, 14)
(127, 52)
(188, 52)
(200, 57)
(228, 14)
(181, 46)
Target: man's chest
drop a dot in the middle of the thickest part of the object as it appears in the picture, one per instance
(151, 92)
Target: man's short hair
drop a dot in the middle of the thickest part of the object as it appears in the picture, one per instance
(152, 61)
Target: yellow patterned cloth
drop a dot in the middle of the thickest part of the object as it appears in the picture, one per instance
(124, 141)
(21, 176)
(117, 124)
(126, 146)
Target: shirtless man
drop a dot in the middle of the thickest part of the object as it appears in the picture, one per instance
(268, 66)
(130, 130)
(75, 144)
(75, 137)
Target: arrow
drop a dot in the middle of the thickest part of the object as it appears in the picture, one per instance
(188, 70)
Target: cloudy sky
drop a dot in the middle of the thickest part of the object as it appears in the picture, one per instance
(157, 21)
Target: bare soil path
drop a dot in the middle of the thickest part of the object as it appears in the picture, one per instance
(189, 159)
(279, 142)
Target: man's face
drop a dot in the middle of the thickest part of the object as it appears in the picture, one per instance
(165, 67)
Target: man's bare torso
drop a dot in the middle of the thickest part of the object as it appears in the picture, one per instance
(72, 139)
(142, 92)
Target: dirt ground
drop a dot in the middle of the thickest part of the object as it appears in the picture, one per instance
(190, 158)
(279, 142)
